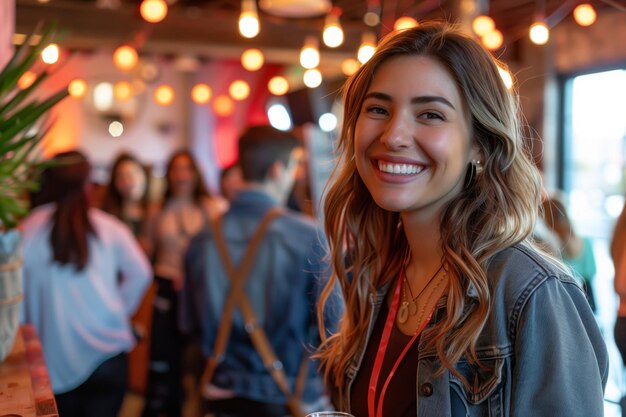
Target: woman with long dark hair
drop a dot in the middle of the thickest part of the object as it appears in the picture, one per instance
(187, 208)
(84, 276)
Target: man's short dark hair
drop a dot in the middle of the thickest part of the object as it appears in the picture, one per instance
(260, 147)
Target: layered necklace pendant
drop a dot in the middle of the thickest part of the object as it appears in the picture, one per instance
(403, 312)
(408, 306)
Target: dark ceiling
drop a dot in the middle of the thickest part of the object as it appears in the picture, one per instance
(209, 27)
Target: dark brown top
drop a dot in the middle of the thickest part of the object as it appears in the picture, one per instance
(400, 399)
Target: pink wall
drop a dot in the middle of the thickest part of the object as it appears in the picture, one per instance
(153, 132)
(7, 23)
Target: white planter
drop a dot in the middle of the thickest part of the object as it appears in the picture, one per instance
(10, 289)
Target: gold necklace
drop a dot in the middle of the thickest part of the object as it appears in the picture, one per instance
(409, 307)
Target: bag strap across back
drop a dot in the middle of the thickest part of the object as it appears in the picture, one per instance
(237, 298)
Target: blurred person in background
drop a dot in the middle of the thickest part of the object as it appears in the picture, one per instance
(84, 277)
(618, 248)
(186, 209)
(575, 250)
(126, 197)
(285, 254)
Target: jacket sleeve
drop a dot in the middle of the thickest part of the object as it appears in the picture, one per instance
(134, 267)
(561, 364)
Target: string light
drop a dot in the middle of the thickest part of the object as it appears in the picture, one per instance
(483, 25)
(26, 80)
(405, 22)
(50, 54)
(539, 33)
(278, 85)
(310, 55)
(77, 88)
(312, 78)
(201, 93)
(367, 48)
(249, 25)
(223, 106)
(349, 66)
(153, 11)
(164, 95)
(333, 32)
(493, 40)
(122, 90)
(125, 58)
(239, 90)
(585, 14)
(252, 59)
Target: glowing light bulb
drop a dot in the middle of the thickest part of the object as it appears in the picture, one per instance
(350, 66)
(153, 11)
(249, 25)
(367, 48)
(125, 58)
(333, 33)
(116, 129)
(585, 14)
(312, 78)
(405, 22)
(493, 40)
(50, 54)
(482, 25)
(309, 55)
(26, 80)
(201, 93)
(223, 106)
(252, 59)
(77, 88)
(164, 95)
(539, 33)
(122, 90)
(278, 85)
(239, 90)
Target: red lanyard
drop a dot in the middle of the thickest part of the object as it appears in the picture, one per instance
(372, 410)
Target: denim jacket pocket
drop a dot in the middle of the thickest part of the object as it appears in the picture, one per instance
(481, 393)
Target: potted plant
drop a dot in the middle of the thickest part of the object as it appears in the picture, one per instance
(22, 126)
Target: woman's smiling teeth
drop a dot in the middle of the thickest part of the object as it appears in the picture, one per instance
(400, 169)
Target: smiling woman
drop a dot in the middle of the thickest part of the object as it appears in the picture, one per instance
(455, 312)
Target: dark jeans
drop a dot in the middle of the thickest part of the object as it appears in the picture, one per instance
(164, 395)
(101, 395)
(242, 407)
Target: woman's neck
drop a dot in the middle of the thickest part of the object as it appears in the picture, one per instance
(423, 236)
(132, 209)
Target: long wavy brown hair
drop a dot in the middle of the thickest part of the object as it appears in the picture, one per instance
(496, 211)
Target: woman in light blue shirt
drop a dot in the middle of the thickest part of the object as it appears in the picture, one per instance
(84, 276)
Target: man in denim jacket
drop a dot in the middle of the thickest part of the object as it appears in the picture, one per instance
(282, 287)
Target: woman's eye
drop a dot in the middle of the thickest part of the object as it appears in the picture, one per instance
(376, 110)
(431, 116)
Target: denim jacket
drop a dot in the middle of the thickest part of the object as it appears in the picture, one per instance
(283, 286)
(541, 348)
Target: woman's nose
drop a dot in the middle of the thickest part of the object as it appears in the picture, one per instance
(398, 132)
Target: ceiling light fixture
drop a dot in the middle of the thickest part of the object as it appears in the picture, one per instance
(252, 59)
(367, 48)
(585, 14)
(249, 25)
(310, 55)
(153, 11)
(333, 32)
(404, 22)
(125, 58)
